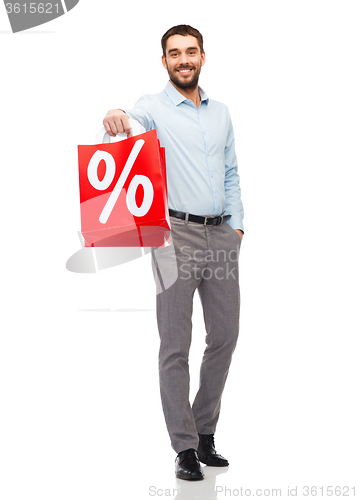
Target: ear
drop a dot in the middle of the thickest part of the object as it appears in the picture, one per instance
(164, 62)
(203, 58)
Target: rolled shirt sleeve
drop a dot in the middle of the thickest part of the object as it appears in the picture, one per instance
(141, 113)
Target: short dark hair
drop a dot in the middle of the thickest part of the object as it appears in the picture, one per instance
(184, 30)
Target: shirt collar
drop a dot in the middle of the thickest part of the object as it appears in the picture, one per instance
(176, 97)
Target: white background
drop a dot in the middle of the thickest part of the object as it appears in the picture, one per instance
(81, 416)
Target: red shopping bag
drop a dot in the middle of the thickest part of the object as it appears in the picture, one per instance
(123, 193)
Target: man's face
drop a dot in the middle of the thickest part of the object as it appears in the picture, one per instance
(183, 61)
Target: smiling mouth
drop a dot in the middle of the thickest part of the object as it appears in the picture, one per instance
(185, 71)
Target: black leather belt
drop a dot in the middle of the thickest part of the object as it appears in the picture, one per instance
(200, 219)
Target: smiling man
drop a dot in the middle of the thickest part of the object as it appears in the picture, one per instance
(183, 63)
(206, 211)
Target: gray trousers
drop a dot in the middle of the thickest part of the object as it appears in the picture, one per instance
(203, 258)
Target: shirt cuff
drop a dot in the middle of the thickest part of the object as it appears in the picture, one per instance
(236, 222)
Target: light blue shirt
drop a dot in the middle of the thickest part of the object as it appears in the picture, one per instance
(201, 163)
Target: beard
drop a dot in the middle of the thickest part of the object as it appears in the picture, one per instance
(189, 82)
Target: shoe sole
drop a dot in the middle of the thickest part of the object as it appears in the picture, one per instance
(213, 465)
(186, 478)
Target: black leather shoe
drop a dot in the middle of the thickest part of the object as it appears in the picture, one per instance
(207, 454)
(187, 465)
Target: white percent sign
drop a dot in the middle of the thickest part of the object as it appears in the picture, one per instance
(138, 211)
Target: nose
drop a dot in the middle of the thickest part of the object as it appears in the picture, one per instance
(184, 59)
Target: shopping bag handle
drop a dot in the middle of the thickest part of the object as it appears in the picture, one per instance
(103, 137)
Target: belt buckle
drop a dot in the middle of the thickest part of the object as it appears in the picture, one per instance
(207, 219)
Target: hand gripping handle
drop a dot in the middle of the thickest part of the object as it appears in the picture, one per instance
(102, 136)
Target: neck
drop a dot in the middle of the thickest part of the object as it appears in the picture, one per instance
(191, 94)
